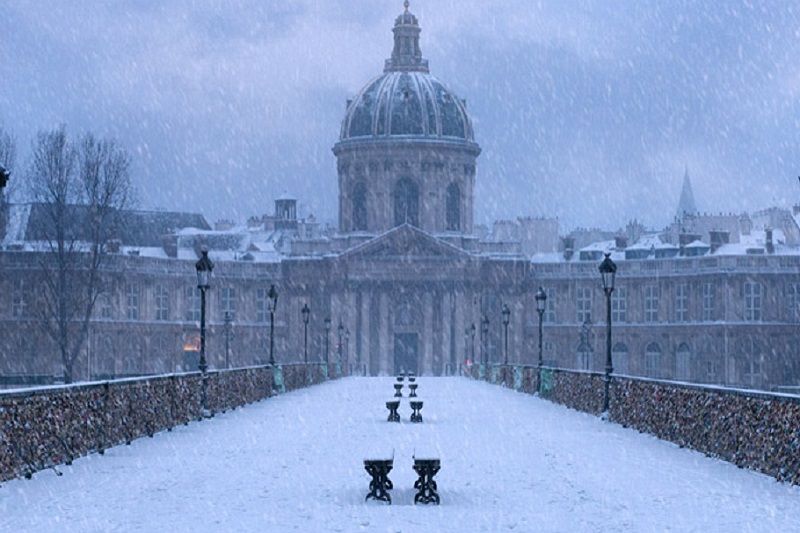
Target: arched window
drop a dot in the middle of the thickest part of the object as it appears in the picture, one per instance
(683, 362)
(406, 203)
(359, 207)
(652, 360)
(453, 208)
(619, 358)
(584, 356)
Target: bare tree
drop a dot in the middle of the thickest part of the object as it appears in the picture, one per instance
(81, 189)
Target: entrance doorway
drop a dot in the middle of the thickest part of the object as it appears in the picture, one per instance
(405, 353)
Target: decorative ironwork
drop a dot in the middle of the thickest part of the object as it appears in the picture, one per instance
(380, 485)
(425, 485)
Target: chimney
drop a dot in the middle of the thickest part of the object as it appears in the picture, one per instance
(769, 246)
(718, 238)
(621, 242)
(569, 247)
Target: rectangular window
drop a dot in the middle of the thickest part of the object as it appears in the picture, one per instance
(162, 303)
(793, 303)
(651, 295)
(681, 302)
(132, 301)
(19, 298)
(262, 311)
(619, 305)
(192, 304)
(550, 306)
(105, 307)
(711, 371)
(584, 304)
(708, 302)
(752, 302)
(227, 301)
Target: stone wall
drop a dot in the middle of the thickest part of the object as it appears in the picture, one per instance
(46, 427)
(751, 429)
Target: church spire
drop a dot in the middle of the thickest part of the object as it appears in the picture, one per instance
(406, 55)
(686, 205)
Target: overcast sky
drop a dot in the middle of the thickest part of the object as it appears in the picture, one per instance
(589, 111)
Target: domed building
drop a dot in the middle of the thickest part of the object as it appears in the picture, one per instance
(406, 151)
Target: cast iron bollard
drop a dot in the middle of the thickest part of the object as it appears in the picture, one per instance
(398, 387)
(413, 388)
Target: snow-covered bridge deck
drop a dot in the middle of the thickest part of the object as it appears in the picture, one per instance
(294, 463)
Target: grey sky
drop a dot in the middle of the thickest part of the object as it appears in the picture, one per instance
(586, 110)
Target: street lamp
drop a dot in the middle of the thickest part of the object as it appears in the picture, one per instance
(4, 175)
(541, 305)
(327, 336)
(472, 342)
(272, 302)
(485, 338)
(204, 266)
(306, 312)
(341, 333)
(228, 319)
(608, 272)
(506, 319)
(347, 347)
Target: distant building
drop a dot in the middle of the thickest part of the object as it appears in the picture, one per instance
(408, 279)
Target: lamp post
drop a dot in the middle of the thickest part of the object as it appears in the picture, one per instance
(541, 305)
(228, 320)
(506, 319)
(204, 266)
(4, 175)
(485, 339)
(306, 312)
(347, 346)
(327, 336)
(341, 333)
(472, 342)
(608, 271)
(272, 301)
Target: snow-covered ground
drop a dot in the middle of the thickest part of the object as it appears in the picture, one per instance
(510, 462)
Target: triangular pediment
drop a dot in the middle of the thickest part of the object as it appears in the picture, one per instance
(405, 243)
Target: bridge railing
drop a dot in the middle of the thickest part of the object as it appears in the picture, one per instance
(50, 426)
(751, 429)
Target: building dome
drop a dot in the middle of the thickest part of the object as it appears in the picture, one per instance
(406, 152)
(406, 100)
(406, 103)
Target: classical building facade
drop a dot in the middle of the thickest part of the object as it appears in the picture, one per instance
(408, 283)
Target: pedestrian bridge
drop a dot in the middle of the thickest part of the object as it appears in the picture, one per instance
(294, 462)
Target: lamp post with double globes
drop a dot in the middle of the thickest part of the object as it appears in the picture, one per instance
(608, 272)
(541, 305)
(306, 312)
(204, 266)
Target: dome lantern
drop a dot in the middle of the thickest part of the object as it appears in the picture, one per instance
(406, 54)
